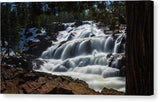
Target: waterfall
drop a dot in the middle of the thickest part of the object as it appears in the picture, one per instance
(85, 52)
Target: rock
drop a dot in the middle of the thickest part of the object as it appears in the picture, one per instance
(59, 90)
(116, 31)
(54, 36)
(59, 27)
(123, 40)
(121, 48)
(15, 80)
(61, 43)
(88, 47)
(109, 55)
(70, 30)
(92, 35)
(78, 23)
(114, 36)
(38, 31)
(71, 36)
(114, 61)
(108, 32)
(36, 49)
(41, 37)
(123, 71)
(122, 61)
(111, 92)
(60, 68)
(68, 64)
(29, 34)
(24, 61)
(37, 64)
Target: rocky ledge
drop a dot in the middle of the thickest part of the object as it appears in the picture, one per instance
(16, 80)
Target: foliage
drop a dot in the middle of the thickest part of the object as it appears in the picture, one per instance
(42, 14)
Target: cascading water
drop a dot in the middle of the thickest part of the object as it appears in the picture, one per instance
(84, 52)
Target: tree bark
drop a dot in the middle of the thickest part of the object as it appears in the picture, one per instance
(139, 48)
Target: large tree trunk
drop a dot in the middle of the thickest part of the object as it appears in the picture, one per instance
(139, 48)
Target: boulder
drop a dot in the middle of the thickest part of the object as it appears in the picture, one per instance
(59, 27)
(36, 64)
(37, 48)
(114, 60)
(23, 61)
(78, 23)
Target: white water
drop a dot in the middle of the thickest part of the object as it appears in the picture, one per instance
(83, 52)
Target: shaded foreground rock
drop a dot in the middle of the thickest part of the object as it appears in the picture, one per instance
(111, 92)
(37, 48)
(23, 60)
(15, 80)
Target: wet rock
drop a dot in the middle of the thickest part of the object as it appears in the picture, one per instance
(59, 27)
(37, 64)
(36, 49)
(60, 68)
(116, 60)
(123, 40)
(61, 43)
(109, 55)
(108, 32)
(114, 36)
(68, 64)
(70, 30)
(71, 36)
(122, 61)
(110, 73)
(88, 46)
(123, 71)
(83, 62)
(92, 35)
(120, 48)
(78, 23)
(54, 36)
